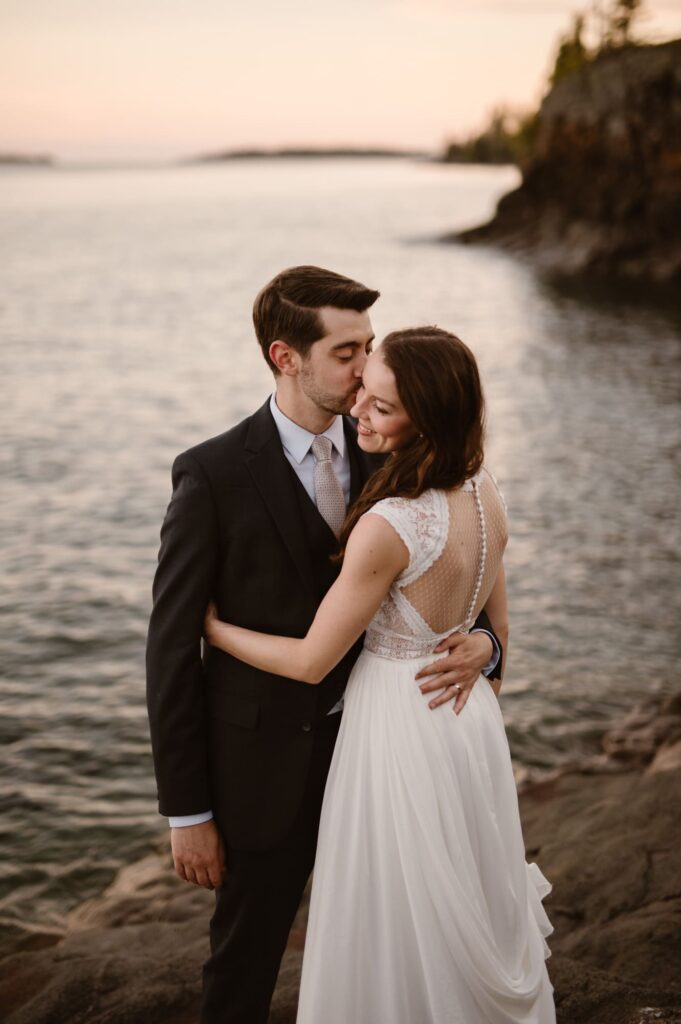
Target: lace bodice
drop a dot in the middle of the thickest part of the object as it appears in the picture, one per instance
(455, 541)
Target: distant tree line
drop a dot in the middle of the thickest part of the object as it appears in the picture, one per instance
(510, 134)
(507, 139)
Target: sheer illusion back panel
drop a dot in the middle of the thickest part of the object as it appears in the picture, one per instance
(443, 593)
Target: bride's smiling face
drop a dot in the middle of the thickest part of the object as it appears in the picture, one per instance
(383, 425)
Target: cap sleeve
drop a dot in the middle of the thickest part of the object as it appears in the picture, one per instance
(393, 511)
(496, 487)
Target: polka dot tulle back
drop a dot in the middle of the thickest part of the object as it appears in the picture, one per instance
(456, 540)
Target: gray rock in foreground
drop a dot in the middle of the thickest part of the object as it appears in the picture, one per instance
(607, 839)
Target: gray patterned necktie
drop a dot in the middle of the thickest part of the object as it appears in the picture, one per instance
(327, 486)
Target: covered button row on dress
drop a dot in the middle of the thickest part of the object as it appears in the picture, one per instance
(470, 617)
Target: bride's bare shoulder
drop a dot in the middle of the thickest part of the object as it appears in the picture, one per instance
(375, 537)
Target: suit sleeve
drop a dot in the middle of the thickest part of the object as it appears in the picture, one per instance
(482, 622)
(183, 585)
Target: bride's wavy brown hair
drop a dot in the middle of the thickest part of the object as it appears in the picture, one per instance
(439, 386)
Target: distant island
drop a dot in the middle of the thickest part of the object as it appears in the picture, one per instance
(309, 153)
(26, 160)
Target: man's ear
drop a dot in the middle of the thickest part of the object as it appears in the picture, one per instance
(284, 358)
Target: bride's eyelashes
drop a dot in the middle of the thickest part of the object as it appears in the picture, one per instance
(360, 397)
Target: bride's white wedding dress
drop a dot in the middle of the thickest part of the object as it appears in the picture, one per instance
(423, 908)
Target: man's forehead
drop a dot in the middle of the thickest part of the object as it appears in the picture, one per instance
(350, 323)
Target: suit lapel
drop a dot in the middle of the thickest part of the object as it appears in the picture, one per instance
(272, 475)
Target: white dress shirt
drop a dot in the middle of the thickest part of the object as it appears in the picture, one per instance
(297, 442)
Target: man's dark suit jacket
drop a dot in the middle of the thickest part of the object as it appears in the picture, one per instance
(241, 530)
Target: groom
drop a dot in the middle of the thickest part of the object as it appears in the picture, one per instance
(241, 756)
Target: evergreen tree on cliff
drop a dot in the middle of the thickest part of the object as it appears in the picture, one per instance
(620, 21)
(572, 52)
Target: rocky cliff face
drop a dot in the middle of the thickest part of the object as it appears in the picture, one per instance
(602, 191)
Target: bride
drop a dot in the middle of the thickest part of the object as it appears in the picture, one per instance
(423, 909)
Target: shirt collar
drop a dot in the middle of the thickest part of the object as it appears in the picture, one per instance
(297, 440)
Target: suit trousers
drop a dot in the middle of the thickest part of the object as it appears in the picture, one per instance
(257, 903)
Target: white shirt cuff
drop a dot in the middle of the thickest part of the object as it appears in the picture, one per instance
(181, 821)
(496, 652)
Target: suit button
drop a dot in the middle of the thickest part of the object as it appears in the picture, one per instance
(307, 726)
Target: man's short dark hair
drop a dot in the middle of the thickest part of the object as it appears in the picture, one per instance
(287, 309)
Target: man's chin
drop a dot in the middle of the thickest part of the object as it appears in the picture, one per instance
(343, 406)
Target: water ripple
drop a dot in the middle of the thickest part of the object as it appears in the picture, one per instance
(126, 337)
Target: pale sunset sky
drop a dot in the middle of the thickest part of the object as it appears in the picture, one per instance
(90, 80)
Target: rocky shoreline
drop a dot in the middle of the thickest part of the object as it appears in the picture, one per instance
(606, 834)
(601, 193)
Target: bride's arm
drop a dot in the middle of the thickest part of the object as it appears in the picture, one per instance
(496, 608)
(374, 556)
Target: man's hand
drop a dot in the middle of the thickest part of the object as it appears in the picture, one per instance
(468, 655)
(199, 854)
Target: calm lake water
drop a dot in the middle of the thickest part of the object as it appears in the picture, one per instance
(125, 337)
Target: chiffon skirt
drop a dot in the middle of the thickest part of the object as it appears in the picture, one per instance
(423, 909)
